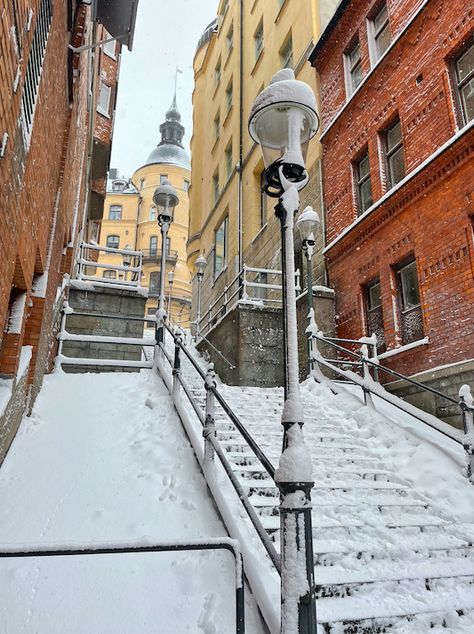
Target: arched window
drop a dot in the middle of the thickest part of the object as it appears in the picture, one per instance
(113, 242)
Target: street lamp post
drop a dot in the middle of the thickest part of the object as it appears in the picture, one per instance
(170, 288)
(307, 224)
(282, 120)
(165, 199)
(200, 266)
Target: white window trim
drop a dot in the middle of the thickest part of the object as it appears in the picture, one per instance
(99, 108)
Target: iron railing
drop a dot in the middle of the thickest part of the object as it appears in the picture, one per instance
(212, 543)
(211, 442)
(248, 288)
(123, 266)
(364, 371)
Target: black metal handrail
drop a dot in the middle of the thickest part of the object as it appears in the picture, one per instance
(385, 397)
(228, 544)
(259, 454)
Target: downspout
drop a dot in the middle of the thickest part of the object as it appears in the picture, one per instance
(241, 142)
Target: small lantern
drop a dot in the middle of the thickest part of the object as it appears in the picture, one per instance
(165, 199)
(200, 265)
(283, 119)
(307, 224)
(170, 277)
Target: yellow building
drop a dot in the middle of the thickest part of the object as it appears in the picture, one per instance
(231, 223)
(130, 220)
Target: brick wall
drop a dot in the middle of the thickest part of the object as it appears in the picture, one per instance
(430, 216)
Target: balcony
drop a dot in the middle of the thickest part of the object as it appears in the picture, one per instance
(154, 255)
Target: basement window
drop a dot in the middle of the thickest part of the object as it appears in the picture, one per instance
(411, 318)
(374, 314)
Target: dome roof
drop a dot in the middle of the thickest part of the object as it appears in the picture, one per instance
(169, 153)
(170, 149)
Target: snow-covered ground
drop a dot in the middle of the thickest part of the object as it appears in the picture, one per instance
(103, 458)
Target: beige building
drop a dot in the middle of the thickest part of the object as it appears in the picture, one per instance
(231, 223)
(130, 220)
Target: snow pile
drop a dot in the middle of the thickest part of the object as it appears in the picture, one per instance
(103, 458)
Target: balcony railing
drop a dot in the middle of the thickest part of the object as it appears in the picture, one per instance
(154, 255)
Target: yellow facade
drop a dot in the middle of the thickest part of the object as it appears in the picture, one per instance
(232, 65)
(137, 227)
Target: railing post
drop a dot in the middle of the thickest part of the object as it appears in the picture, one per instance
(375, 358)
(466, 404)
(364, 355)
(176, 366)
(209, 429)
(244, 283)
(297, 280)
(314, 354)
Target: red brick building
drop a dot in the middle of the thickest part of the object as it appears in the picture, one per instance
(397, 106)
(54, 152)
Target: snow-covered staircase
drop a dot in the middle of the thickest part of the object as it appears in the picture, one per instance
(387, 559)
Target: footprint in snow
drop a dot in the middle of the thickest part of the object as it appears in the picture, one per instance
(205, 622)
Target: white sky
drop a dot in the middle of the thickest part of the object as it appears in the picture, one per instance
(166, 35)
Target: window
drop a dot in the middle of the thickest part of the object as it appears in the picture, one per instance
(263, 201)
(217, 126)
(111, 275)
(163, 179)
(152, 215)
(409, 302)
(115, 212)
(374, 314)
(34, 67)
(364, 187)
(154, 284)
(103, 102)
(464, 69)
(379, 28)
(186, 185)
(153, 245)
(353, 67)
(109, 48)
(220, 247)
(395, 159)
(228, 160)
(286, 54)
(112, 242)
(150, 312)
(118, 186)
(215, 186)
(229, 95)
(217, 72)
(229, 40)
(258, 39)
(142, 183)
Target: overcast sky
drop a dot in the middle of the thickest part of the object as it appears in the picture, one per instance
(166, 35)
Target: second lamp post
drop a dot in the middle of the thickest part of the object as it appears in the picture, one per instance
(165, 199)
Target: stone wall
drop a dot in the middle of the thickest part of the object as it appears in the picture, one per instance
(250, 336)
(447, 380)
(104, 302)
(11, 415)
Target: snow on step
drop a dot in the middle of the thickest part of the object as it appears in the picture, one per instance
(386, 557)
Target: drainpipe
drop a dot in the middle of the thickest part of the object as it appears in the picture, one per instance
(241, 141)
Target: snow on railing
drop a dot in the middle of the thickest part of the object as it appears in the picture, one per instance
(108, 266)
(363, 370)
(251, 286)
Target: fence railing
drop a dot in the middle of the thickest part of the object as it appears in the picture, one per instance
(211, 444)
(251, 286)
(109, 266)
(352, 362)
(82, 550)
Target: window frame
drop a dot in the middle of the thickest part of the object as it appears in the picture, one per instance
(215, 186)
(104, 111)
(224, 226)
(360, 182)
(229, 162)
(229, 95)
(154, 287)
(375, 54)
(390, 153)
(115, 208)
(372, 310)
(259, 40)
(229, 39)
(286, 47)
(350, 68)
(404, 309)
(460, 84)
(218, 72)
(153, 251)
(217, 126)
(108, 239)
(152, 214)
(163, 178)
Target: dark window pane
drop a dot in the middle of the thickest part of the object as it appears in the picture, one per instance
(396, 167)
(409, 286)
(465, 64)
(374, 296)
(365, 195)
(383, 41)
(467, 96)
(364, 167)
(394, 136)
